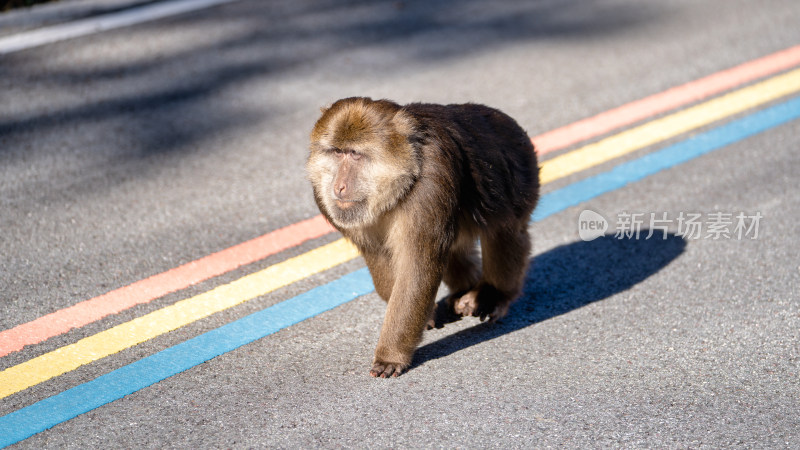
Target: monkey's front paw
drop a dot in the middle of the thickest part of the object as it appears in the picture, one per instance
(431, 324)
(382, 369)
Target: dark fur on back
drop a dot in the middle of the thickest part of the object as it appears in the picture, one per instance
(497, 179)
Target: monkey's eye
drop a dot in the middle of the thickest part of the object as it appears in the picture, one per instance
(337, 151)
(356, 155)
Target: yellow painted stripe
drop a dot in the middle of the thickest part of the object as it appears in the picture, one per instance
(184, 312)
(670, 126)
(120, 337)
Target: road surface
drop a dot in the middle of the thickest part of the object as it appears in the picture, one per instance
(165, 280)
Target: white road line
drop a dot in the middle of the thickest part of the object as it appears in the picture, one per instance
(83, 27)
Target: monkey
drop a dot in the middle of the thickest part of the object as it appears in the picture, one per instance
(415, 187)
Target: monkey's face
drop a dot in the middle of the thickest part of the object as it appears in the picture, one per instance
(361, 162)
(341, 182)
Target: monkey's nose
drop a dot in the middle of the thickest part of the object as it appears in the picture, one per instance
(339, 191)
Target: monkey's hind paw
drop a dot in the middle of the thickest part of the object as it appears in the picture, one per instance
(486, 307)
(382, 369)
(467, 304)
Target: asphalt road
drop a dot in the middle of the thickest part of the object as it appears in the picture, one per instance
(126, 153)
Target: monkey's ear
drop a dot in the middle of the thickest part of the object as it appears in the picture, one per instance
(405, 122)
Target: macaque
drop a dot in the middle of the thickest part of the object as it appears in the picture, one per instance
(414, 187)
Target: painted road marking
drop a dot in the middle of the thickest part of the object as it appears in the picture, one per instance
(114, 385)
(92, 25)
(670, 126)
(66, 405)
(120, 337)
(149, 289)
(157, 286)
(184, 312)
(652, 163)
(144, 291)
(670, 99)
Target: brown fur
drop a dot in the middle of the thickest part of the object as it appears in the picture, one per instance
(414, 187)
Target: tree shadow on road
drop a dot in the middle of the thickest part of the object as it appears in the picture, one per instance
(563, 279)
(134, 115)
(271, 40)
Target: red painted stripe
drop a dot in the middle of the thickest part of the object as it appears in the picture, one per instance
(151, 288)
(664, 101)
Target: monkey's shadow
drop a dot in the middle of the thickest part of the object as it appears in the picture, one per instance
(563, 279)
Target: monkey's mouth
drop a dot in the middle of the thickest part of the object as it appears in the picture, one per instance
(346, 204)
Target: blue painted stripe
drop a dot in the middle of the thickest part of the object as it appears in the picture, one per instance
(673, 155)
(59, 408)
